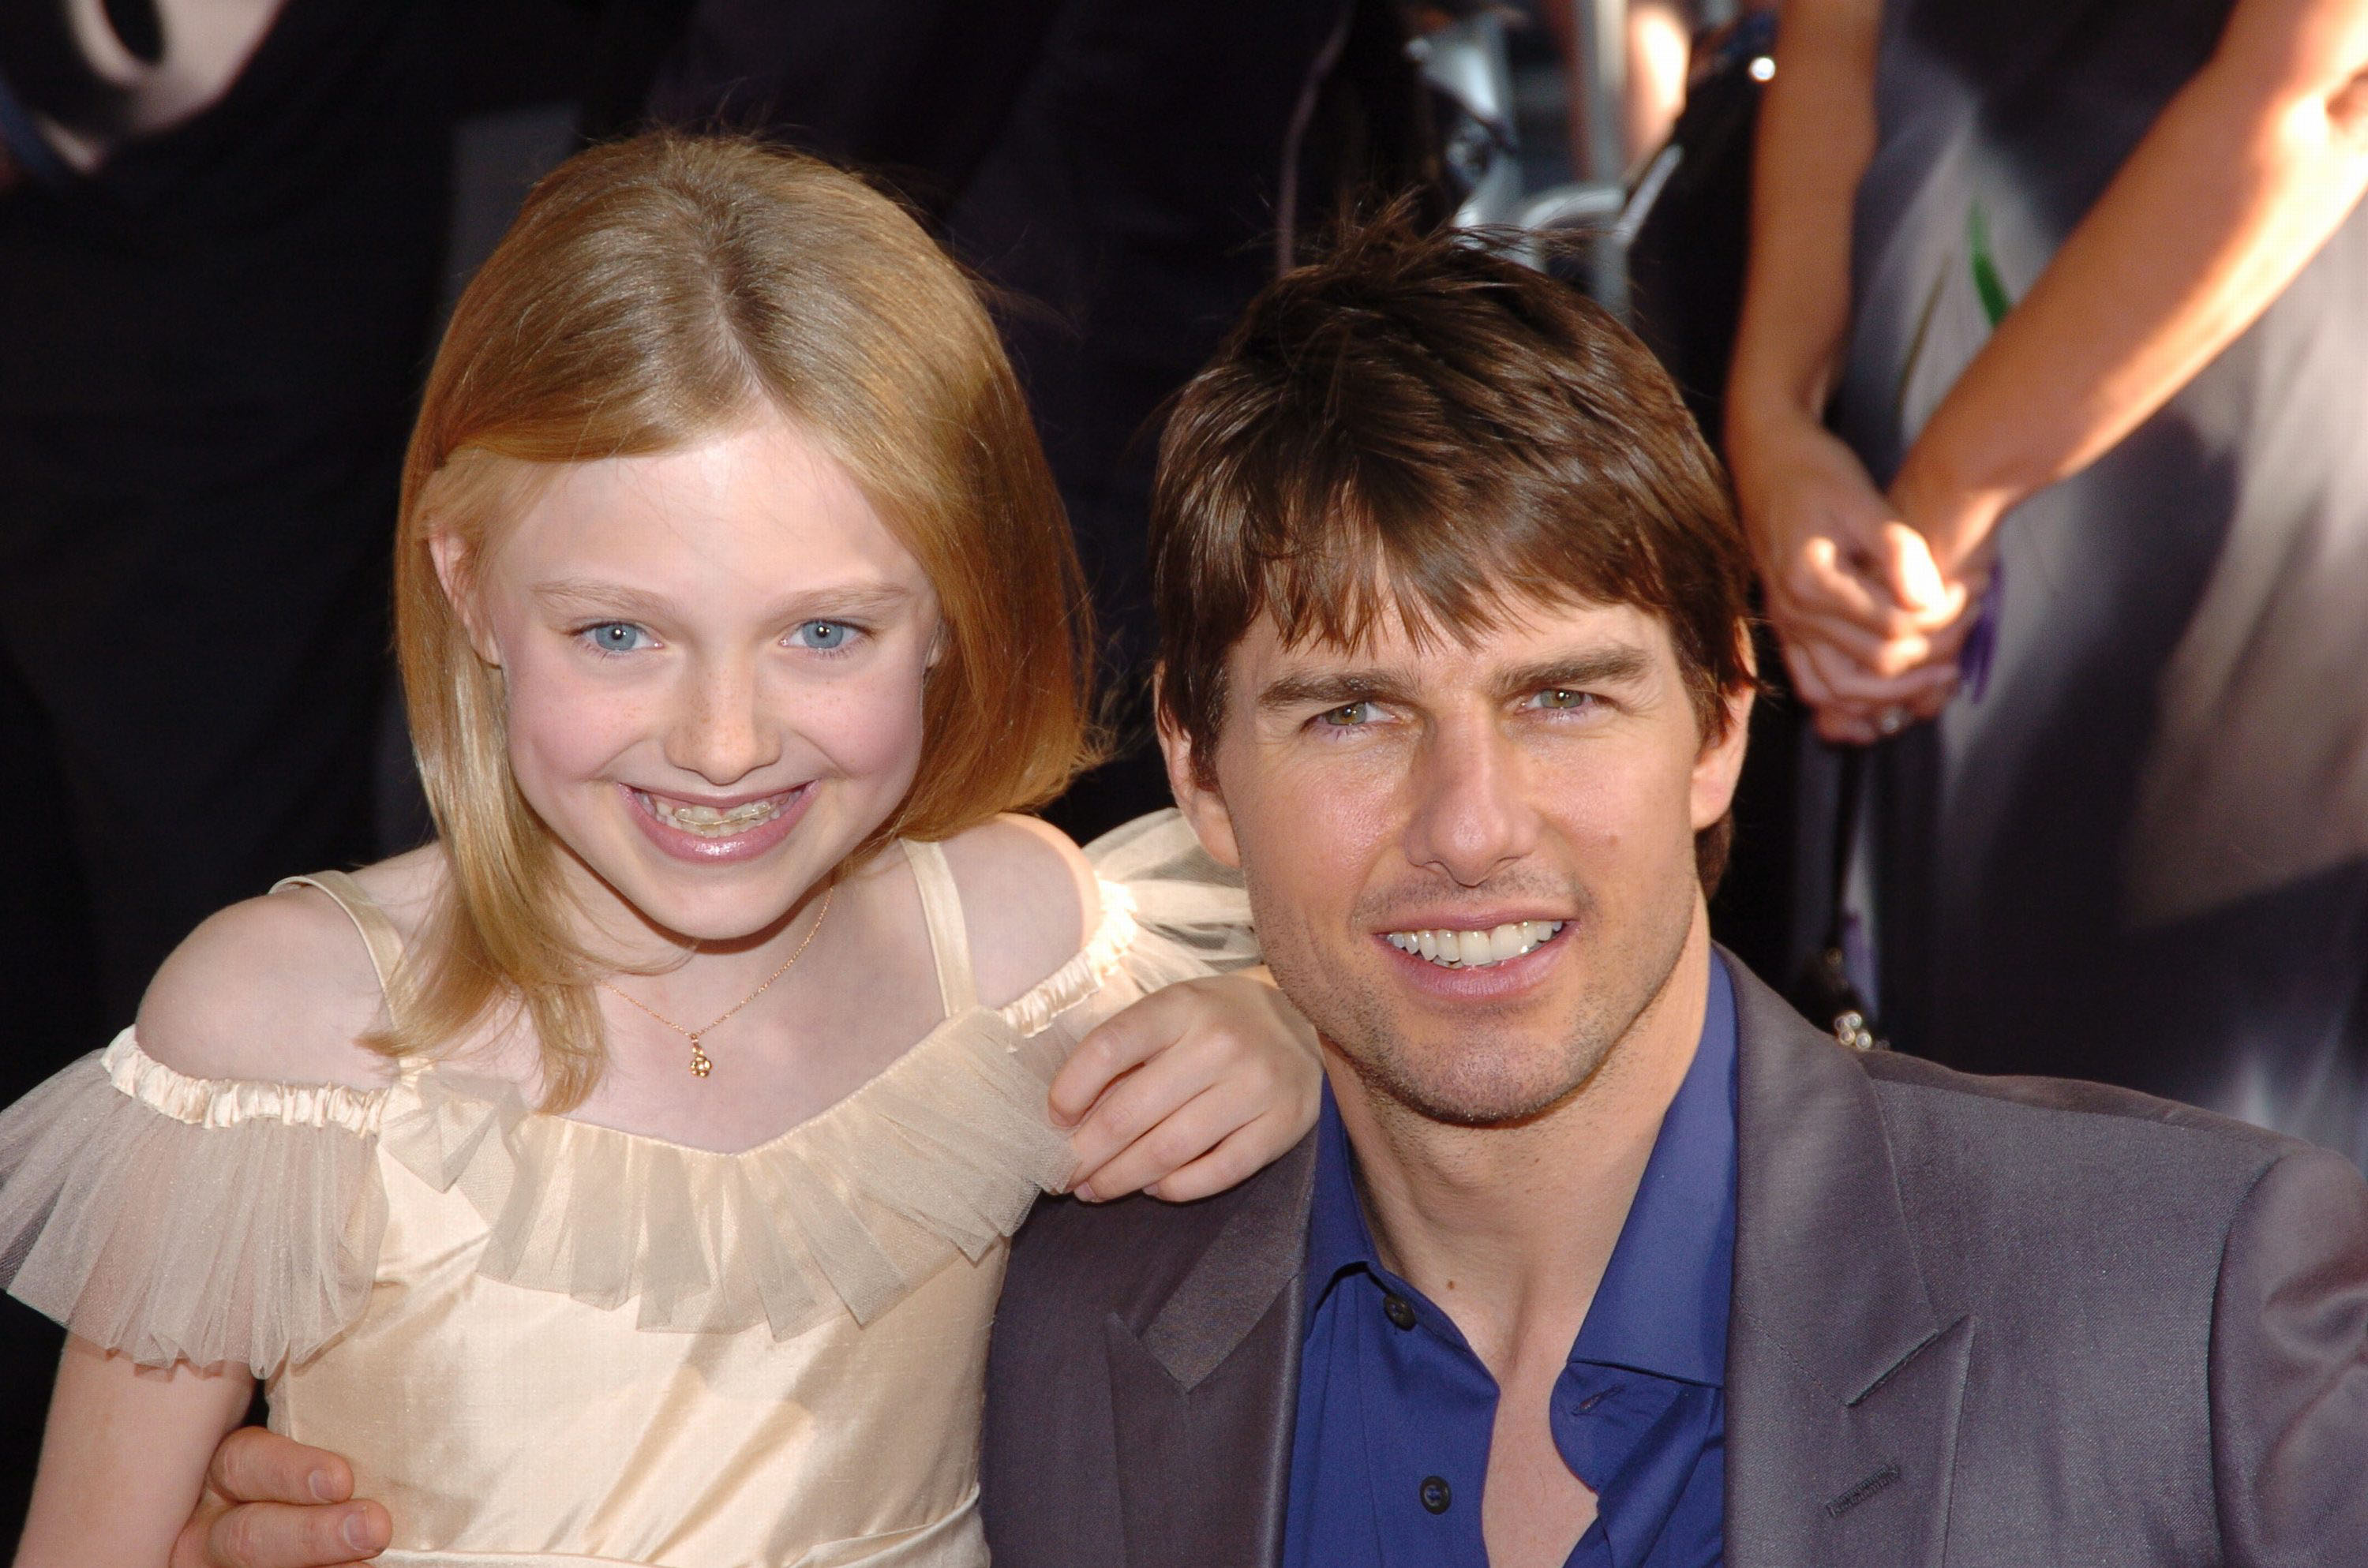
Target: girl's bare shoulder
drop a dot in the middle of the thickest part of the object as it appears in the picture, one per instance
(280, 988)
(1029, 899)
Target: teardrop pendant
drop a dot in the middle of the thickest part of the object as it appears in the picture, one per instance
(699, 1064)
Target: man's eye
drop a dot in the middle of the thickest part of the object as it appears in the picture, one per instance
(1348, 715)
(823, 636)
(1563, 698)
(614, 637)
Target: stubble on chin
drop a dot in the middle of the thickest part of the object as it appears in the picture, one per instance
(1500, 1065)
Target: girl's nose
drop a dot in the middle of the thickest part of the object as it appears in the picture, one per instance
(720, 733)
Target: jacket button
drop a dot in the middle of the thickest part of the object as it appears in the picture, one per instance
(1400, 1310)
(1435, 1494)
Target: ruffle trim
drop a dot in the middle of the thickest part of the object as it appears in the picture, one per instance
(250, 1238)
(187, 1218)
(219, 1103)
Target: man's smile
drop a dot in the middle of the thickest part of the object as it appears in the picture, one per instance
(1474, 947)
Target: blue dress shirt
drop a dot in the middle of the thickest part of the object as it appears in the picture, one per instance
(1395, 1413)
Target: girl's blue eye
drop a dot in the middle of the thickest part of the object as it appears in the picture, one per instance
(615, 636)
(823, 636)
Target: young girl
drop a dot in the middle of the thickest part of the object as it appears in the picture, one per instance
(634, 1189)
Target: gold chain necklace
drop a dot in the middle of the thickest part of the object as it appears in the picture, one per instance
(699, 1064)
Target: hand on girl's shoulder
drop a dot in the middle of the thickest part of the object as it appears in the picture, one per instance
(1029, 899)
(278, 989)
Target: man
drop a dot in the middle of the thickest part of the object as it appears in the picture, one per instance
(1600, 1255)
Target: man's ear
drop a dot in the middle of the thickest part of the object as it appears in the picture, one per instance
(1203, 806)
(1720, 763)
(453, 566)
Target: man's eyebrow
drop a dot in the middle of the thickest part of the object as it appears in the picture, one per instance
(1622, 663)
(1335, 688)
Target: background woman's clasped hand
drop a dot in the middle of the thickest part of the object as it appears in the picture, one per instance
(1871, 611)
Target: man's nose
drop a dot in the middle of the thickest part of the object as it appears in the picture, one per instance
(1472, 815)
(720, 730)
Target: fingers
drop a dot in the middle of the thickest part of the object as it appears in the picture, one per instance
(1836, 677)
(1115, 1049)
(255, 1465)
(1230, 1164)
(1905, 565)
(1168, 1081)
(1850, 585)
(284, 1535)
(1184, 1138)
(1851, 707)
(1169, 1111)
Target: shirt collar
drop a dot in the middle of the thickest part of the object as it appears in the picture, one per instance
(1662, 1306)
(1337, 1242)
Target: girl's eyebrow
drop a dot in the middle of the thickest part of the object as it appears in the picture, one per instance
(588, 598)
(600, 598)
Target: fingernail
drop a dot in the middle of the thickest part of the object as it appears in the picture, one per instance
(356, 1530)
(323, 1488)
(1085, 1194)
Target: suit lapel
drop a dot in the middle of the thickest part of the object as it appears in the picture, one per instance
(1203, 1378)
(1844, 1382)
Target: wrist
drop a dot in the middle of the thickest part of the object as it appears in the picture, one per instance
(1760, 429)
(1955, 517)
(1760, 409)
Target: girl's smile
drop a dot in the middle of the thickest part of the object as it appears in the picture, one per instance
(715, 831)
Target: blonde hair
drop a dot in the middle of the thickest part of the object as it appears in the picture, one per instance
(653, 291)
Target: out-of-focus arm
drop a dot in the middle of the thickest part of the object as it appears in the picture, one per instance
(1816, 137)
(1866, 622)
(2238, 182)
(83, 82)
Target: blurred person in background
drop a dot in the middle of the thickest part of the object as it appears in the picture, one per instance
(1657, 60)
(221, 244)
(2048, 421)
(219, 261)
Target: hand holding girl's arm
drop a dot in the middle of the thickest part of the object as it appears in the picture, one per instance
(124, 1456)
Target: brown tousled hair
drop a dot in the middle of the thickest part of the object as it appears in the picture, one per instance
(655, 291)
(1418, 427)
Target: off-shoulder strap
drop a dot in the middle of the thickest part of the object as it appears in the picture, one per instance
(378, 932)
(948, 935)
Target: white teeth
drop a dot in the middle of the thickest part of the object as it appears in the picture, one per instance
(707, 822)
(1476, 949)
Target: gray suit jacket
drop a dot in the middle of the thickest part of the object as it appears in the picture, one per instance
(1979, 1322)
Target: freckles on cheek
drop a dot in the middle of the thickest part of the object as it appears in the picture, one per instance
(562, 728)
(869, 729)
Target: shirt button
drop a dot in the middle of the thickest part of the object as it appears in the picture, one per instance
(1435, 1494)
(1400, 1310)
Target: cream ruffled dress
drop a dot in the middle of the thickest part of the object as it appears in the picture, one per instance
(542, 1341)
